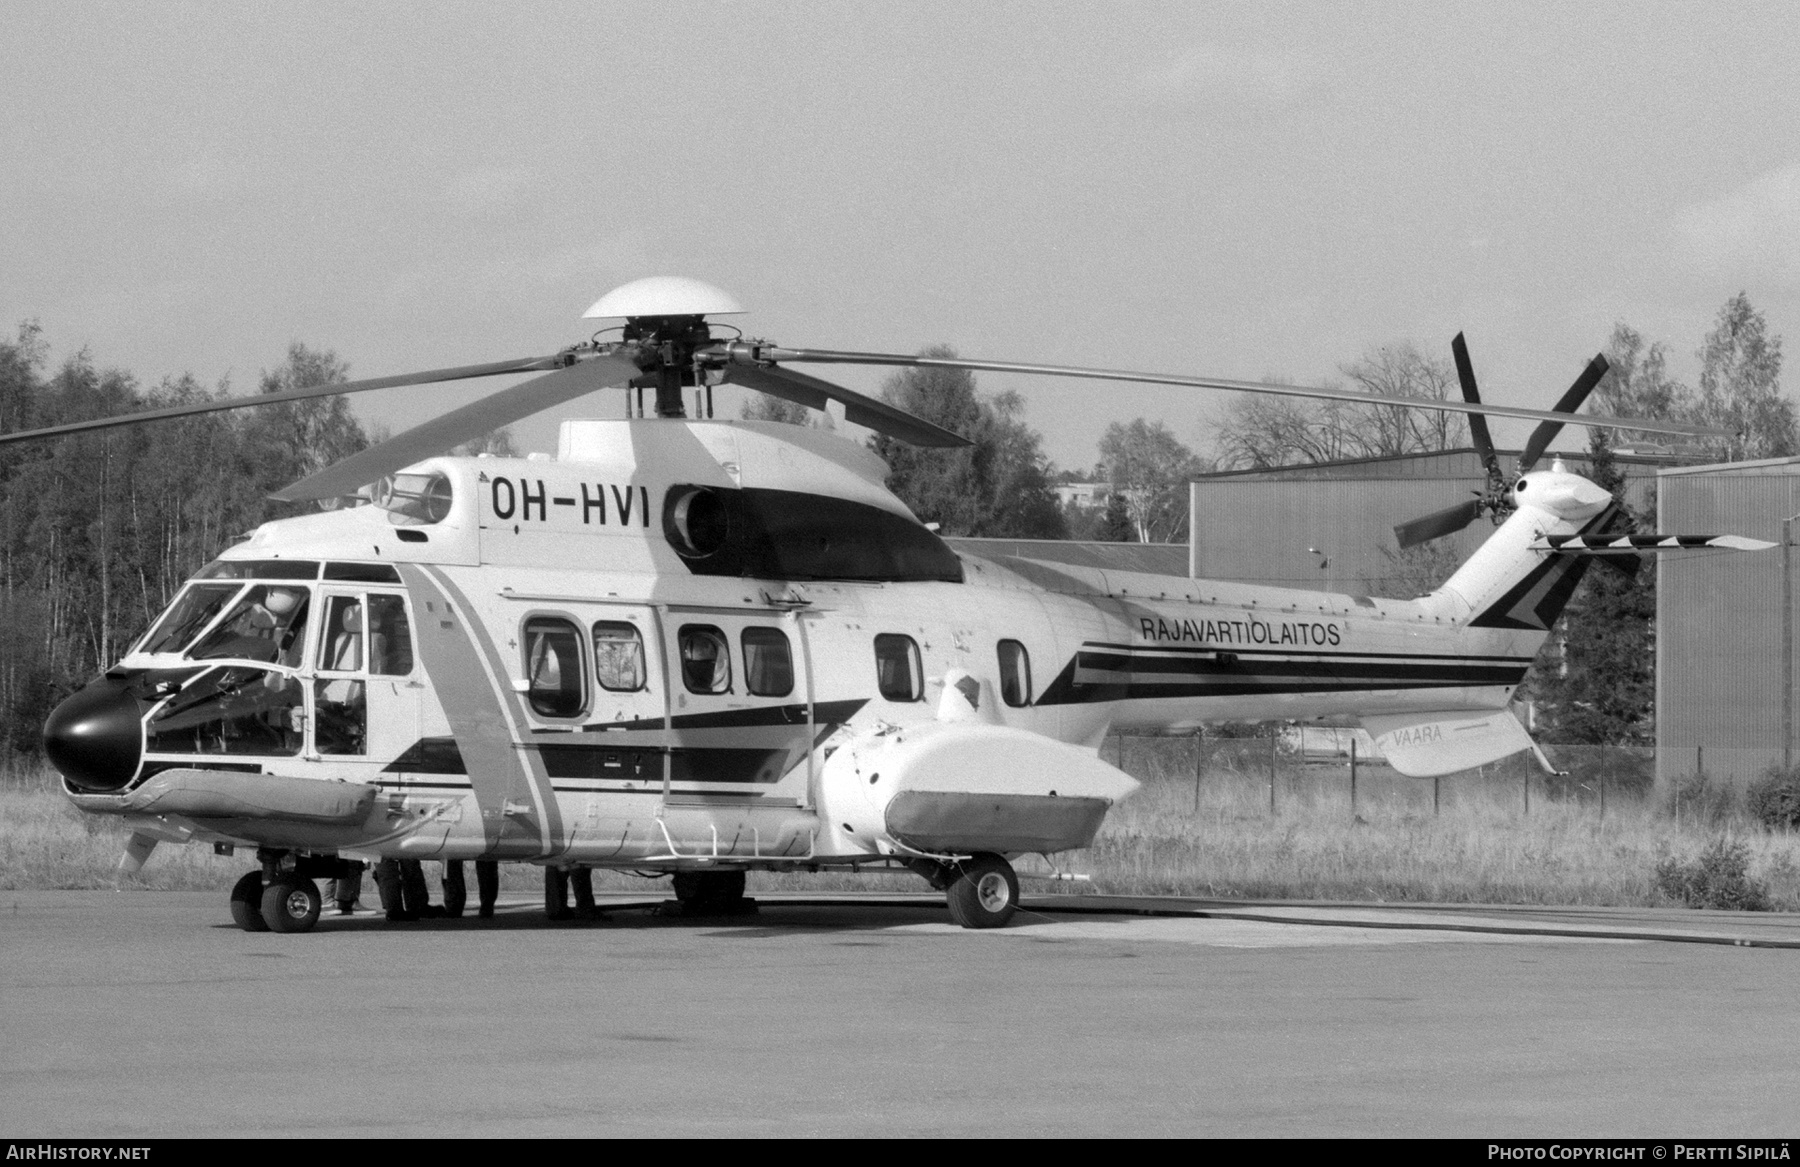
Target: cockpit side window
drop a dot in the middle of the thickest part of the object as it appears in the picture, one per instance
(555, 684)
(267, 624)
(390, 636)
(187, 616)
(341, 638)
(231, 710)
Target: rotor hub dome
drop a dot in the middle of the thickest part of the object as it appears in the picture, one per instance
(665, 296)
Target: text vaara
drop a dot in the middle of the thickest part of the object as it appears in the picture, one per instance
(1415, 735)
(1252, 631)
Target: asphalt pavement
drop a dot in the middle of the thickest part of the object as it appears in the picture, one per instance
(147, 1014)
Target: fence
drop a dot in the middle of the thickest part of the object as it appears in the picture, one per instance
(1281, 764)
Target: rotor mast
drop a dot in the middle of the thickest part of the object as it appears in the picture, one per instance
(664, 348)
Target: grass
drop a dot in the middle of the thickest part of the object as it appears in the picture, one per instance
(1480, 845)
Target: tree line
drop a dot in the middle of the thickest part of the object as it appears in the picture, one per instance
(99, 530)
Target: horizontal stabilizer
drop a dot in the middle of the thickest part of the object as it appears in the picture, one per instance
(1426, 745)
(1646, 544)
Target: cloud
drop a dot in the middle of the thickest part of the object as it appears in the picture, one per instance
(1751, 234)
(1210, 76)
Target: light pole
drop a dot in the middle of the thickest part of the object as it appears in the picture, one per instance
(1787, 642)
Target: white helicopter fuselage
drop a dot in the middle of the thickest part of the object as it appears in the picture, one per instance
(690, 644)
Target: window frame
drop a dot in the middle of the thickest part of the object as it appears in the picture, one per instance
(718, 636)
(583, 666)
(776, 635)
(915, 668)
(1024, 659)
(643, 654)
(412, 651)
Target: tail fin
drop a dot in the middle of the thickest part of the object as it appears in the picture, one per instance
(1509, 584)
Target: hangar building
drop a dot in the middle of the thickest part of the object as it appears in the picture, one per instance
(1331, 525)
(1725, 667)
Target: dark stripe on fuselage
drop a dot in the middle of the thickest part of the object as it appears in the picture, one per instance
(429, 755)
(825, 713)
(1112, 673)
(685, 765)
(1291, 654)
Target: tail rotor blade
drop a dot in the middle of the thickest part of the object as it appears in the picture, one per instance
(1437, 524)
(1572, 399)
(1478, 426)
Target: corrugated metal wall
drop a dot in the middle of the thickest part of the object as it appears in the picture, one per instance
(1720, 657)
(1256, 526)
(1258, 531)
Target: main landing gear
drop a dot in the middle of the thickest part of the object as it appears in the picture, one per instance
(982, 890)
(281, 896)
(712, 893)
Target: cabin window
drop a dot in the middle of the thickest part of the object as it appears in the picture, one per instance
(618, 656)
(705, 659)
(768, 662)
(553, 667)
(1015, 674)
(898, 673)
(390, 636)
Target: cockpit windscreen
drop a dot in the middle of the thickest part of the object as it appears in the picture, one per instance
(192, 611)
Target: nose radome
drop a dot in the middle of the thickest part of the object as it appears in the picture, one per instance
(95, 738)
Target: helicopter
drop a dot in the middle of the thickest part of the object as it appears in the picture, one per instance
(704, 647)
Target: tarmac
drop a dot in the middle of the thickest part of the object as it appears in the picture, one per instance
(147, 1014)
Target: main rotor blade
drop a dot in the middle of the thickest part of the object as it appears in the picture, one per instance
(1478, 426)
(461, 373)
(860, 409)
(1437, 524)
(826, 356)
(1572, 398)
(460, 425)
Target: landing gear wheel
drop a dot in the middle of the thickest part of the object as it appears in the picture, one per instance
(984, 894)
(246, 903)
(291, 905)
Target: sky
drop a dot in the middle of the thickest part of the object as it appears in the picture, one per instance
(1227, 190)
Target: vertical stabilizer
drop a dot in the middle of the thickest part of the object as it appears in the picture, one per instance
(1506, 584)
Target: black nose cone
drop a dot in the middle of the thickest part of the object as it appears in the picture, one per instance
(96, 737)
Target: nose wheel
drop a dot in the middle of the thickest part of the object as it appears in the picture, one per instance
(246, 903)
(983, 892)
(287, 904)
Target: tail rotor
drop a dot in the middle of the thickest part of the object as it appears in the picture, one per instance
(1495, 500)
